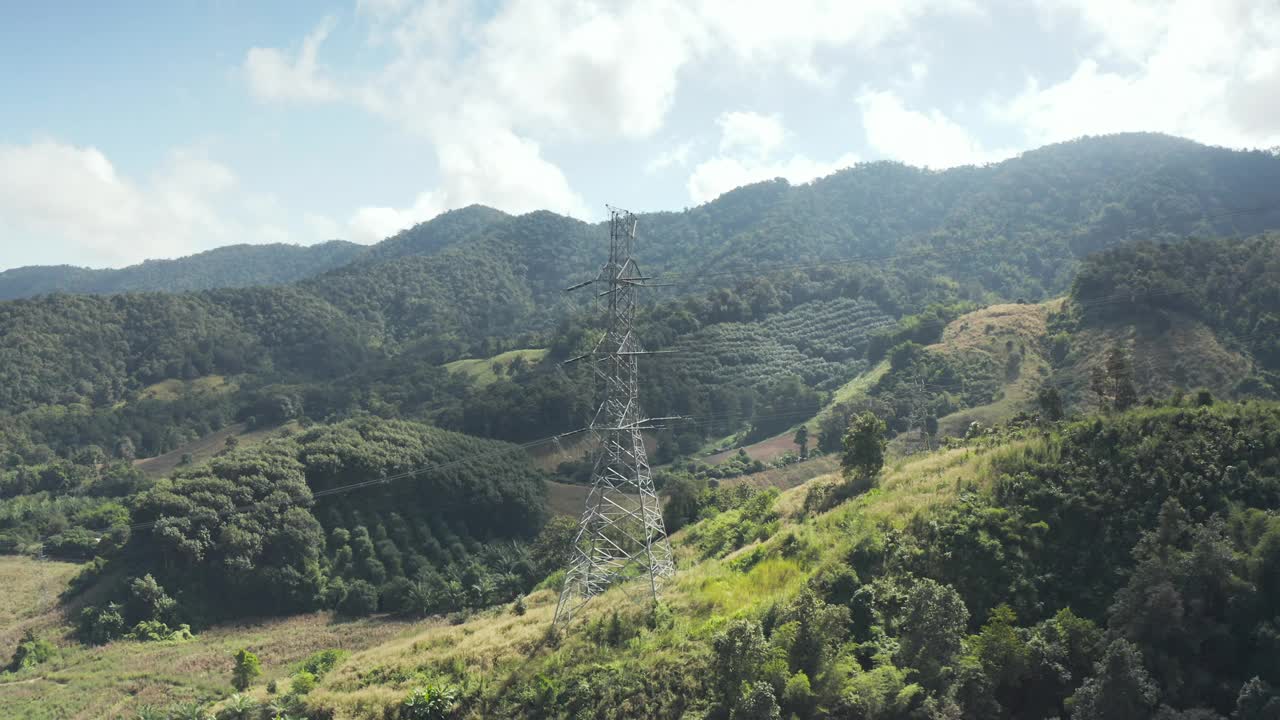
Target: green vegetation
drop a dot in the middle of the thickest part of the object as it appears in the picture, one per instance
(246, 670)
(483, 371)
(981, 606)
(231, 266)
(954, 588)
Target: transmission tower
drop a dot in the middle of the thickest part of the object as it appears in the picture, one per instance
(621, 535)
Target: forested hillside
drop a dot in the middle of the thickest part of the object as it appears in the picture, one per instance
(231, 266)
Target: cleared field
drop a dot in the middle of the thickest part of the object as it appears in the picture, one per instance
(173, 388)
(117, 679)
(566, 499)
(992, 335)
(480, 370)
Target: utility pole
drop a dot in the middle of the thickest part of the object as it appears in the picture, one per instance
(621, 535)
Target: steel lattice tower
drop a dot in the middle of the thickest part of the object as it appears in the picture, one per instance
(621, 535)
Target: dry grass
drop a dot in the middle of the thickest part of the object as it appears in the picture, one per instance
(785, 478)
(985, 335)
(1167, 351)
(566, 499)
(87, 683)
(28, 596)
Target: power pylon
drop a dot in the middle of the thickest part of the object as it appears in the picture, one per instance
(621, 534)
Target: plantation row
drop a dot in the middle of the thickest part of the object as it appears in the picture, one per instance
(833, 329)
(821, 341)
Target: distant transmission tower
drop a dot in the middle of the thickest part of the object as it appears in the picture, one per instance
(621, 535)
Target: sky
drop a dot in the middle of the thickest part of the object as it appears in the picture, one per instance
(139, 130)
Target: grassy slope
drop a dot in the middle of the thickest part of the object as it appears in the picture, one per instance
(111, 680)
(480, 370)
(1169, 351)
(983, 335)
(89, 683)
(770, 448)
(172, 389)
(28, 594)
(500, 646)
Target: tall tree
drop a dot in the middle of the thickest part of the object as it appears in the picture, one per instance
(801, 439)
(1120, 688)
(863, 449)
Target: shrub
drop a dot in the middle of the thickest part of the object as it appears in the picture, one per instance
(97, 626)
(433, 702)
(303, 683)
(320, 663)
(31, 651)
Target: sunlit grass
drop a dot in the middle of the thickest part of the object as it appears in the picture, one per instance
(480, 370)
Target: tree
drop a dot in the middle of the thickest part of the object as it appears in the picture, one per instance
(148, 601)
(1257, 701)
(1050, 402)
(933, 630)
(757, 703)
(246, 670)
(802, 439)
(931, 428)
(738, 653)
(819, 629)
(1120, 688)
(863, 449)
(1120, 381)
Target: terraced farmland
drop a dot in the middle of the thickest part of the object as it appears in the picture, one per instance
(822, 341)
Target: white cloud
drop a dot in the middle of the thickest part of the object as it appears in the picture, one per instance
(749, 143)
(273, 75)
(547, 71)
(677, 156)
(494, 167)
(70, 202)
(790, 34)
(1204, 69)
(751, 133)
(925, 139)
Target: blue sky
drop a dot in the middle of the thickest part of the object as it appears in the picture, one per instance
(139, 130)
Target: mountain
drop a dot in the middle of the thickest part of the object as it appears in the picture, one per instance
(230, 266)
(904, 243)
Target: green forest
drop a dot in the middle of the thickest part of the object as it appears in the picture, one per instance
(1025, 452)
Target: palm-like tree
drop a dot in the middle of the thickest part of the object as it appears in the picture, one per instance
(241, 706)
(191, 710)
(148, 712)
